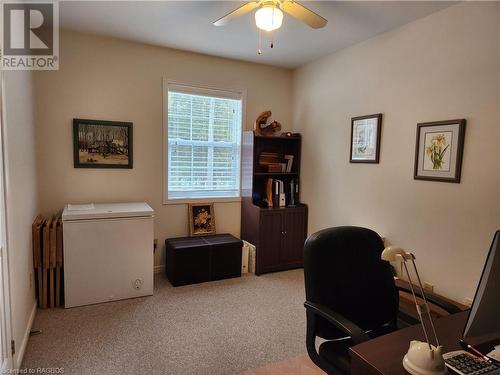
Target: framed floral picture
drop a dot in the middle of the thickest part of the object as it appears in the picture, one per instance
(365, 138)
(439, 149)
(201, 219)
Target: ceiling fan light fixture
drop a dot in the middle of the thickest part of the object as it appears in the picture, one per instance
(268, 18)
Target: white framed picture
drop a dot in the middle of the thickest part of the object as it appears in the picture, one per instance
(365, 138)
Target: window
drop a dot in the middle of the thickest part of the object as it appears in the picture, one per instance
(203, 143)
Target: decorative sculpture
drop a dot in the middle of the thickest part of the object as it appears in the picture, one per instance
(263, 125)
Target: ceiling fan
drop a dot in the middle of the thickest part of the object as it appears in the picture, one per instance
(269, 15)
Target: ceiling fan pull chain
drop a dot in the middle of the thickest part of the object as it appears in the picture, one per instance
(271, 41)
(259, 51)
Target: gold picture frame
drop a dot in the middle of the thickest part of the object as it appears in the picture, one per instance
(201, 219)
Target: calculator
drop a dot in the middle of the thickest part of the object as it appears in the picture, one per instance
(465, 363)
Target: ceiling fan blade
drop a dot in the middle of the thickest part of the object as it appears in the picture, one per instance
(236, 13)
(300, 12)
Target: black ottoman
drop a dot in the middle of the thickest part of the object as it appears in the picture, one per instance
(193, 260)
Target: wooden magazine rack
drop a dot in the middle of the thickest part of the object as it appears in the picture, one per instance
(48, 260)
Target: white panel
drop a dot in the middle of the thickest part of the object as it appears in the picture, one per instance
(36, 20)
(104, 258)
(17, 28)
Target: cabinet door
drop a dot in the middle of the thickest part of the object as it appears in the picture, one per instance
(268, 252)
(294, 236)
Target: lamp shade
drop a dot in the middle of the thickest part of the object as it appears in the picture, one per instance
(268, 18)
(390, 253)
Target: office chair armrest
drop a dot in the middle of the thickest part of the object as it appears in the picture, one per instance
(345, 325)
(449, 307)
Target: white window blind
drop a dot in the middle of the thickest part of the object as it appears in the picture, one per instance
(204, 138)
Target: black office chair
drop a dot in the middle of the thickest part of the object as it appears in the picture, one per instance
(351, 296)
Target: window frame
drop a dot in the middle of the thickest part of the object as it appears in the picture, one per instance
(197, 89)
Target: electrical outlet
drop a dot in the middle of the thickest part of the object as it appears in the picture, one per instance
(137, 284)
(428, 287)
(468, 302)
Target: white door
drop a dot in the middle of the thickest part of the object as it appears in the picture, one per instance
(5, 323)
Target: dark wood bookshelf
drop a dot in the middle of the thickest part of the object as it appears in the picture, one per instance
(281, 138)
(277, 232)
(276, 174)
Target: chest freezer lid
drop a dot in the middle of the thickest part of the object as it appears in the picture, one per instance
(106, 211)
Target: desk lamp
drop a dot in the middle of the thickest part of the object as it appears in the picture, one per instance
(422, 358)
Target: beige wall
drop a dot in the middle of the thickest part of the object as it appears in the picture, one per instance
(110, 79)
(441, 67)
(22, 203)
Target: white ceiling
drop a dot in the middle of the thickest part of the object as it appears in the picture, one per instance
(188, 25)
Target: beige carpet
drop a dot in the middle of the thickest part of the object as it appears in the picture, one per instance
(221, 327)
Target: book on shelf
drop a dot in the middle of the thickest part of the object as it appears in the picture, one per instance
(266, 158)
(289, 163)
(269, 192)
(280, 193)
(293, 193)
(274, 168)
(276, 193)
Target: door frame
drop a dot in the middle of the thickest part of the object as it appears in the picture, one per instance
(6, 358)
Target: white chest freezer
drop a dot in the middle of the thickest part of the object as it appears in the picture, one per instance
(108, 252)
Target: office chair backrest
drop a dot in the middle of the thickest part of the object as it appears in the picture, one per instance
(344, 272)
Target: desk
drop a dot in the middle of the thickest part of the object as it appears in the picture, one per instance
(384, 355)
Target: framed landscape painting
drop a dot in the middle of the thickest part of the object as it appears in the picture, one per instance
(365, 138)
(439, 149)
(102, 144)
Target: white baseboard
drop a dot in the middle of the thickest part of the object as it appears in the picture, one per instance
(159, 269)
(18, 357)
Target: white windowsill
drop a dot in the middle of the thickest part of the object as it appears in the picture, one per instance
(201, 200)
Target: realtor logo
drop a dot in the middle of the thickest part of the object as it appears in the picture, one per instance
(30, 35)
